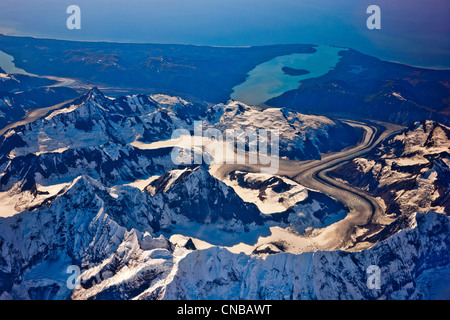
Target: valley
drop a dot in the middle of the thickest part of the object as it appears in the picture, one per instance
(366, 216)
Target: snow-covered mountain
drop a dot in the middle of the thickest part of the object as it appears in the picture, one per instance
(286, 200)
(85, 227)
(198, 196)
(86, 186)
(414, 264)
(94, 119)
(301, 136)
(21, 94)
(94, 135)
(410, 172)
(84, 224)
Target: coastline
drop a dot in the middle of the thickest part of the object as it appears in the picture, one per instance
(436, 67)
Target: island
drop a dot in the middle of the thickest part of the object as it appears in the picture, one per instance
(294, 72)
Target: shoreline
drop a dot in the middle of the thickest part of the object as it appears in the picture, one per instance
(441, 68)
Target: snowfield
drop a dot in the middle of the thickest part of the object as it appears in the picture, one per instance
(270, 193)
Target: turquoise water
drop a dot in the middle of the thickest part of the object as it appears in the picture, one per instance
(7, 64)
(268, 80)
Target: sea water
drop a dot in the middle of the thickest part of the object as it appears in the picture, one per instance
(7, 64)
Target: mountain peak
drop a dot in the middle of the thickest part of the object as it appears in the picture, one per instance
(95, 90)
(94, 94)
